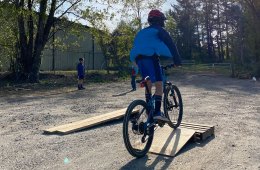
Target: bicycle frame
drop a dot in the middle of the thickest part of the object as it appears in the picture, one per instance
(150, 122)
(142, 123)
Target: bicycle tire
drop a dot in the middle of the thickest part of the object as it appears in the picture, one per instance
(128, 143)
(172, 91)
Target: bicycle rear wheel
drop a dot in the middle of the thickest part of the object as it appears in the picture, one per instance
(173, 107)
(134, 127)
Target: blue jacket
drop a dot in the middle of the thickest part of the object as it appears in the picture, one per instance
(154, 40)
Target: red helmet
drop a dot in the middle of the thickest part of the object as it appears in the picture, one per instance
(157, 15)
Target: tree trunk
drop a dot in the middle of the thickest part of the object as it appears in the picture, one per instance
(207, 22)
(25, 57)
(30, 49)
(219, 36)
(219, 51)
(227, 33)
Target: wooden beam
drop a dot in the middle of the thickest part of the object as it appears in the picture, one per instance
(86, 123)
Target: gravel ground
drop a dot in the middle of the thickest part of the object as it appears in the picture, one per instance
(232, 105)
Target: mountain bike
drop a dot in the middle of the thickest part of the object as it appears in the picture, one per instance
(139, 125)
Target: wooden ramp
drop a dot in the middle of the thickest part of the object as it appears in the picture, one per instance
(202, 131)
(166, 140)
(92, 121)
(169, 142)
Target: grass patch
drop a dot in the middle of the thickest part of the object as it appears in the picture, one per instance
(60, 79)
(205, 68)
(50, 80)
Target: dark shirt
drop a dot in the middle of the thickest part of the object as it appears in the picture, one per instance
(166, 38)
(80, 69)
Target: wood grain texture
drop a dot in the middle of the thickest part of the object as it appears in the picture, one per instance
(169, 142)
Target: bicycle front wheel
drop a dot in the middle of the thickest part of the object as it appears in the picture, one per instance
(173, 107)
(134, 128)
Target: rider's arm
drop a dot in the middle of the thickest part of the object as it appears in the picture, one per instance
(166, 38)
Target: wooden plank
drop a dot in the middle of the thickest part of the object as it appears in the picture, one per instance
(196, 129)
(89, 122)
(195, 124)
(169, 142)
(200, 128)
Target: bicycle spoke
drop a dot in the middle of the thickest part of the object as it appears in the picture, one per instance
(136, 140)
(173, 105)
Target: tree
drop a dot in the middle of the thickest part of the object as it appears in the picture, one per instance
(251, 21)
(138, 7)
(8, 32)
(184, 15)
(227, 30)
(123, 37)
(34, 30)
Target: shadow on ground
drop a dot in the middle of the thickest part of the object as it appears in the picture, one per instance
(166, 161)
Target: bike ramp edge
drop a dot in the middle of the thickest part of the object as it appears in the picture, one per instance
(86, 123)
(168, 141)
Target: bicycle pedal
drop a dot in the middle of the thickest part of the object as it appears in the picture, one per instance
(161, 124)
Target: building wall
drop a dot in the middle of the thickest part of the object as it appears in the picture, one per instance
(68, 59)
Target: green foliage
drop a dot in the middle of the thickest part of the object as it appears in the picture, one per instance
(123, 37)
(215, 31)
(8, 37)
(184, 15)
(171, 26)
(123, 74)
(137, 9)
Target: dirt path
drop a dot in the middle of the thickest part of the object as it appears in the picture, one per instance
(232, 105)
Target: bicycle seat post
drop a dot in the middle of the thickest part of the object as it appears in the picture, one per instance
(145, 84)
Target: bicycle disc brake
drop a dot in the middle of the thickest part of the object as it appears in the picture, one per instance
(138, 128)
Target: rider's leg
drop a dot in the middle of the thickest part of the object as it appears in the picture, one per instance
(158, 102)
(148, 92)
(158, 96)
(158, 88)
(80, 82)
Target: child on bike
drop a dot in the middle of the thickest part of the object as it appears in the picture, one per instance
(81, 73)
(149, 44)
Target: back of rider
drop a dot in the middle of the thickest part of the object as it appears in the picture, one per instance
(149, 42)
(150, 66)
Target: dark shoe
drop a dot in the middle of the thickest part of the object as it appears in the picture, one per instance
(81, 88)
(160, 117)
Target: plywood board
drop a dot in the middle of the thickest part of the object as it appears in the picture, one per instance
(169, 142)
(89, 122)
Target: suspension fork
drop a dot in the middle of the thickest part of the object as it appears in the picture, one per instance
(174, 98)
